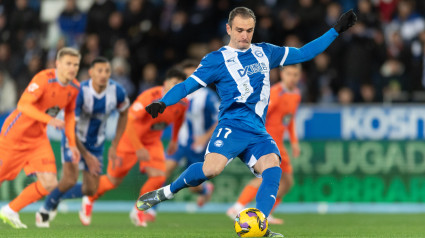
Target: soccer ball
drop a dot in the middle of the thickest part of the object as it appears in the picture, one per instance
(251, 222)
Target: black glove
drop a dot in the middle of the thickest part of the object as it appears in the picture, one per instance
(155, 108)
(345, 21)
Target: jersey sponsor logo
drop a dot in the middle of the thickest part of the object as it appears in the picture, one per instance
(53, 111)
(159, 126)
(218, 143)
(253, 68)
(32, 87)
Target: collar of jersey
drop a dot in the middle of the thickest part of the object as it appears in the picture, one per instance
(97, 95)
(237, 50)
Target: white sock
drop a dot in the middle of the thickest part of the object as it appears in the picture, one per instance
(9, 210)
(167, 192)
(238, 207)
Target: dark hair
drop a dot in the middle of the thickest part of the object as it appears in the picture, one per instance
(298, 66)
(241, 11)
(175, 73)
(189, 63)
(99, 59)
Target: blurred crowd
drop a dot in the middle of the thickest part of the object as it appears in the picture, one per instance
(380, 59)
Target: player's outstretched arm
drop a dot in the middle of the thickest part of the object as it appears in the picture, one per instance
(317, 46)
(173, 96)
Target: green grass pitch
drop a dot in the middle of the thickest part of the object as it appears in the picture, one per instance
(218, 225)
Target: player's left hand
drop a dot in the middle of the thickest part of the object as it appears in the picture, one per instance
(93, 163)
(296, 151)
(155, 108)
(75, 154)
(347, 20)
(172, 147)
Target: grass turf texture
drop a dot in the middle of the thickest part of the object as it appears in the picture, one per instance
(218, 225)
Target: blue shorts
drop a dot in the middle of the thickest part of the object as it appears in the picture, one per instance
(188, 153)
(232, 140)
(67, 155)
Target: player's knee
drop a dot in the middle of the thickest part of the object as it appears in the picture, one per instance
(211, 171)
(49, 185)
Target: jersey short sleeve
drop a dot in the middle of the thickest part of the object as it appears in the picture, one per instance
(206, 71)
(122, 99)
(37, 85)
(278, 55)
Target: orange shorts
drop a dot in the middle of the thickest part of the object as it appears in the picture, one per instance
(129, 159)
(40, 158)
(285, 164)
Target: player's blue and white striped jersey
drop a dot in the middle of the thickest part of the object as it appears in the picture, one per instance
(242, 80)
(93, 109)
(201, 115)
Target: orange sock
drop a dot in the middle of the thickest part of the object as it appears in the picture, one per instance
(247, 195)
(30, 194)
(104, 185)
(278, 201)
(152, 183)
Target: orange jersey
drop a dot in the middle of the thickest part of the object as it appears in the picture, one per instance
(42, 100)
(281, 112)
(143, 129)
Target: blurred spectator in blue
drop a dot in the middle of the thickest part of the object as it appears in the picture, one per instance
(408, 22)
(72, 23)
(8, 91)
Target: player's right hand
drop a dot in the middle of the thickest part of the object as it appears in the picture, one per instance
(296, 151)
(57, 123)
(93, 163)
(142, 154)
(155, 108)
(347, 20)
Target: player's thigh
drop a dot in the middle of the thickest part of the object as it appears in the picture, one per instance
(48, 180)
(263, 148)
(228, 140)
(125, 162)
(156, 157)
(43, 159)
(11, 163)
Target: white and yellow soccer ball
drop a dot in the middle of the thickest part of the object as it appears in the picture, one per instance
(251, 222)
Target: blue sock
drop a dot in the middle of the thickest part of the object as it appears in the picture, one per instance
(266, 195)
(74, 192)
(191, 177)
(53, 199)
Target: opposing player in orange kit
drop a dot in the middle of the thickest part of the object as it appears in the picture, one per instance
(141, 142)
(23, 139)
(284, 100)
